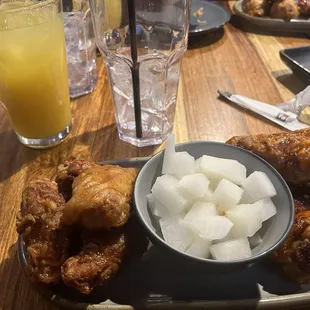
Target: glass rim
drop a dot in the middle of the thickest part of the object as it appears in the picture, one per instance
(42, 3)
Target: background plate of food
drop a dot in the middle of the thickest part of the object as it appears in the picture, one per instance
(275, 16)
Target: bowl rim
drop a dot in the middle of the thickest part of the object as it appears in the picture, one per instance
(249, 260)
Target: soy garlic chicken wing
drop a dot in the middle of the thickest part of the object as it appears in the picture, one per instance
(100, 259)
(294, 255)
(101, 197)
(284, 9)
(257, 8)
(67, 172)
(40, 223)
(289, 153)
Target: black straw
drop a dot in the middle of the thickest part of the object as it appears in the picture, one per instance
(135, 68)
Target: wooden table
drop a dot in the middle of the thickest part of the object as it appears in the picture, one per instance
(244, 63)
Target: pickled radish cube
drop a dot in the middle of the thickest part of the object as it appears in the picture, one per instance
(255, 241)
(196, 217)
(168, 156)
(176, 235)
(197, 168)
(208, 197)
(227, 195)
(194, 186)
(266, 208)
(215, 227)
(214, 184)
(257, 186)
(231, 250)
(200, 248)
(156, 207)
(220, 168)
(247, 220)
(228, 237)
(165, 191)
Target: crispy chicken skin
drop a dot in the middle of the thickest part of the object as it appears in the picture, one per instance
(40, 223)
(294, 255)
(284, 9)
(258, 8)
(101, 197)
(67, 172)
(100, 259)
(289, 153)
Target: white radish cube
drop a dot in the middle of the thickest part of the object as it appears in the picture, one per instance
(255, 241)
(197, 168)
(266, 208)
(195, 218)
(165, 191)
(214, 184)
(215, 227)
(220, 168)
(231, 250)
(227, 195)
(200, 248)
(157, 208)
(168, 164)
(194, 186)
(183, 164)
(176, 235)
(257, 186)
(247, 220)
(208, 196)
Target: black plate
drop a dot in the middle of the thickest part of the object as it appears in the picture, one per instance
(272, 25)
(158, 281)
(298, 59)
(215, 16)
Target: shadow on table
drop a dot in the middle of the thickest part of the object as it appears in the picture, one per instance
(291, 81)
(13, 155)
(205, 39)
(105, 144)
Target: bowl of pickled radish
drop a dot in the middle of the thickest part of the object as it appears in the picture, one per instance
(214, 204)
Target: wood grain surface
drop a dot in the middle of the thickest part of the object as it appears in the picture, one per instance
(232, 60)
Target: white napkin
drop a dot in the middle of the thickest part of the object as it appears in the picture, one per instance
(285, 114)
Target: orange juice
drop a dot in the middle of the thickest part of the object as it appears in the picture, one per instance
(33, 72)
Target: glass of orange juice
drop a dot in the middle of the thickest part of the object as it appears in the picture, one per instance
(33, 72)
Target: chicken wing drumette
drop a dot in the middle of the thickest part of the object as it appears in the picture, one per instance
(287, 152)
(101, 197)
(40, 223)
(258, 8)
(67, 172)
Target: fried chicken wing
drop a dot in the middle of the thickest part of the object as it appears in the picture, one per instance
(40, 223)
(101, 197)
(304, 7)
(67, 172)
(294, 255)
(100, 259)
(289, 153)
(284, 9)
(257, 8)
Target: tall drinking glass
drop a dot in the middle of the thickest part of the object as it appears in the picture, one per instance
(33, 71)
(161, 40)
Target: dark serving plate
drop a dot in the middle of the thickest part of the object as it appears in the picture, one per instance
(158, 281)
(215, 17)
(298, 59)
(293, 26)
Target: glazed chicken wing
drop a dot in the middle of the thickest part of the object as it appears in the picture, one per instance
(67, 172)
(100, 259)
(101, 197)
(257, 8)
(304, 7)
(40, 223)
(289, 153)
(284, 9)
(294, 255)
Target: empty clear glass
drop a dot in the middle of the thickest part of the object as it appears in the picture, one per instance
(161, 34)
